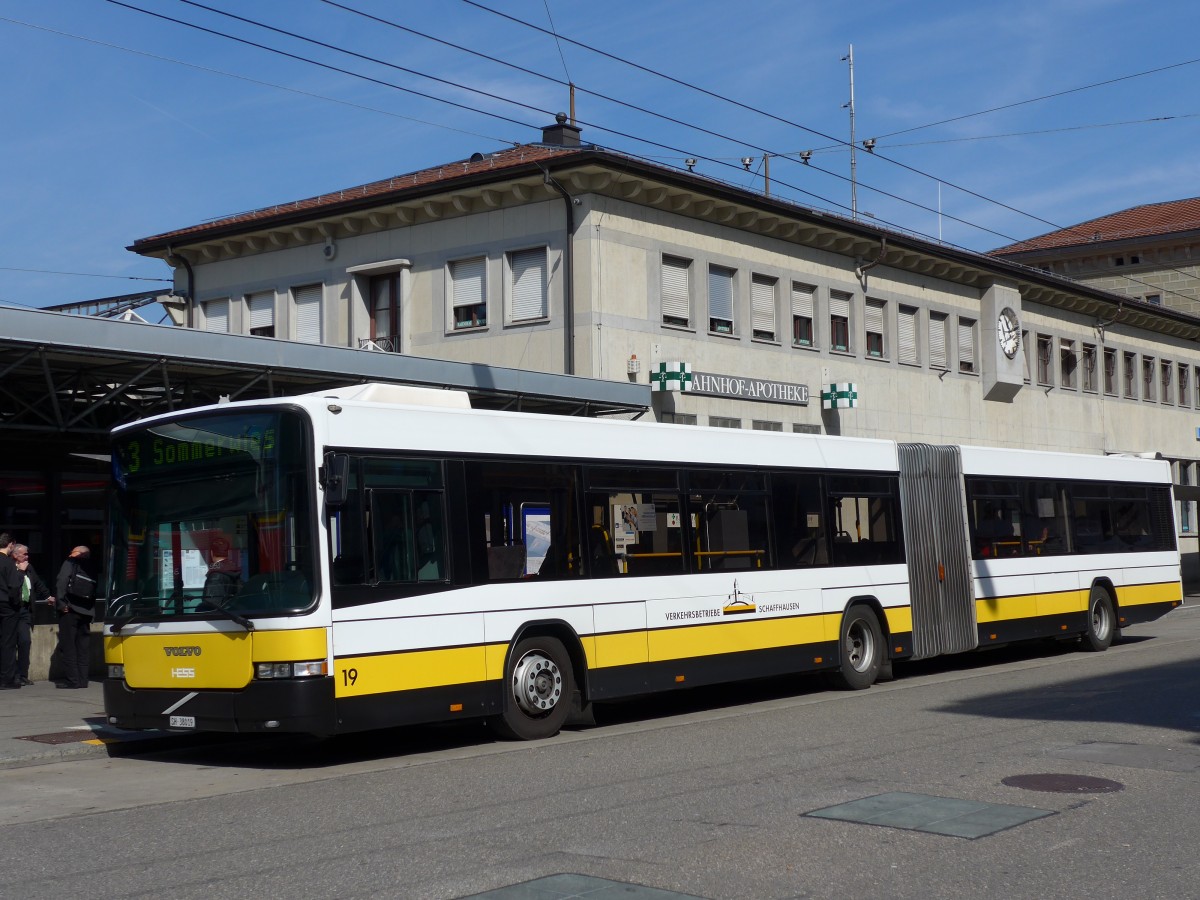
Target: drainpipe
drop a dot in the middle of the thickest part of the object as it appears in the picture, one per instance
(190, 293)
(568, 277)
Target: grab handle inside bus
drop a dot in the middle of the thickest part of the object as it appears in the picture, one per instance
(335, 478)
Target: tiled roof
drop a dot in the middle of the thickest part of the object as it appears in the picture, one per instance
(1150, 220)
(504, 159)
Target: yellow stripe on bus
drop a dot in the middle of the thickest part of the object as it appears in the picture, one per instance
(289, 646)
(357, 676)
(735, 637)
(1140, 594)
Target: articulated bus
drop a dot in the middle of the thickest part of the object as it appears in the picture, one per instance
(380, 555)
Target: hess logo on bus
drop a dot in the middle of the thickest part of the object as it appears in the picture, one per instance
(182, 651)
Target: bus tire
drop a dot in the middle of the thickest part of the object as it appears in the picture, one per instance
(1101, 621)
(861, 650)
(538, 689)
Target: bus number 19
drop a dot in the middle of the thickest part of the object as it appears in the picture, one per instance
(349, 677)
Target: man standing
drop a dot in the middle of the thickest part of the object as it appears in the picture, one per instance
(33, 590)
(10, 598)
(76, 592)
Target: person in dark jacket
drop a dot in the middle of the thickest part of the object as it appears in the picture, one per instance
(33, 590)
(76, 592)
(10, 599)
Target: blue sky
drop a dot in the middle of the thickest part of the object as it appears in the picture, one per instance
(110, 137)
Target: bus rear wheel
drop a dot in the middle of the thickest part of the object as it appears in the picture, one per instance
(861, 650)
(538, 690)
(1101, 621)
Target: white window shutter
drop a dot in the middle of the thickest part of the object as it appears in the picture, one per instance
(937, 341)
(468, 279)
(216, 315)
(966, 341)
(675, 298)
(839, 304)
(907, 330)
(262, 309)
(762, 304)
(874, 316)
(529, 294)
(308, 313)
(802, 301)
(720, 293)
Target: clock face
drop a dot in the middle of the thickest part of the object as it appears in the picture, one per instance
(1008, 332)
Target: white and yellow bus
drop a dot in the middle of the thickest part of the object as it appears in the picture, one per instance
(380, 555)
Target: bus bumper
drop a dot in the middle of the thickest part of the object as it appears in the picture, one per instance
(262, 707)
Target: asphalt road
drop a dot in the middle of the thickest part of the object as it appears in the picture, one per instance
(708, 793)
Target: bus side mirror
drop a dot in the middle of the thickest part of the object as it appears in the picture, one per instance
(335, 478)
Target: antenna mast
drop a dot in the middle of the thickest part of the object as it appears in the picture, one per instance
(849, 58)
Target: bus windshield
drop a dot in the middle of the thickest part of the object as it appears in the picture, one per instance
(211, 518)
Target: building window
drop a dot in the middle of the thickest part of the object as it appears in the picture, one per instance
(763, 425)
(966, 345)
(1148, 379)
(1067, 363)
(906, 331)
(307, 303)
(802, 315)
(839, 321)
(1165, 368)
(876, 322)
(762, 307)
(724, 422)
(720, 300)
(1025, 354)
(260, 308)
(529, 289)
(677, 418)
(937, 340)
(1089, 368)
(468, 292)
(1110, 372)
(1156, 299)
(1182, 382)
(1045, 347)
(216, 315)
(1186, 513)
(385, 311)
(676, 299)
(805, 428)
(1196, 387)
(1130, 373)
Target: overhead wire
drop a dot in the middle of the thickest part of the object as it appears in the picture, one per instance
(455, 104)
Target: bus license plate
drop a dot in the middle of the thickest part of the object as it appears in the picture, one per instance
(183, 722)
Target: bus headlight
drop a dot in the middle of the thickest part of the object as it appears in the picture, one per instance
(316, 668)
(117, 672)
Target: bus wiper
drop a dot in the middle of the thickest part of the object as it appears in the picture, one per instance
(232, 616)
(119, 623)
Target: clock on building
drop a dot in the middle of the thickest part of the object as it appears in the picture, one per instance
(1008, 332)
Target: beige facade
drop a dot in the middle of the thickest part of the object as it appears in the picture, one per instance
(670, 267)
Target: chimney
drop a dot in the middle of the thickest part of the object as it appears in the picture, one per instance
(561, 134)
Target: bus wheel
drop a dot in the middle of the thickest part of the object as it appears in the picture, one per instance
(538, 696)
(1101, 621)
(861, 650)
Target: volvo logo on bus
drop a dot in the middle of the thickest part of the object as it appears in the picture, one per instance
(182, 651)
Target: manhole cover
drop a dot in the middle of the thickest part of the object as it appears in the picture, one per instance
(1064, 784)
(59, 737)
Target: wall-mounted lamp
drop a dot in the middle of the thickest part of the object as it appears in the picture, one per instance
(746, 161)
(805, 156)
(690, 163)
(634, 365)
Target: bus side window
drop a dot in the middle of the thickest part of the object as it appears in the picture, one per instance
(862, 510)
(800, 536)
(346, 524)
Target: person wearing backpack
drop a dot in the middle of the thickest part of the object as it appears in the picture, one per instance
(76, 592)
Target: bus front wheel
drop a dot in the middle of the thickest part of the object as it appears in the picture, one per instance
(1101, 621)
(861, 650)
(538, 691)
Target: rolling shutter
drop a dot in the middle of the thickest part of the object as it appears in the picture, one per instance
(216, 315)
(907, 331)
(839, 305)
(262, 309)
(966, 345)
(937, 341)
(675, 302)
(802, 301)
(762, 305)
(308, 313)
(720, 294)
(467, 278)
(529, 284)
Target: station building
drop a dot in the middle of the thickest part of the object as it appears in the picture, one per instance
(740, 309)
